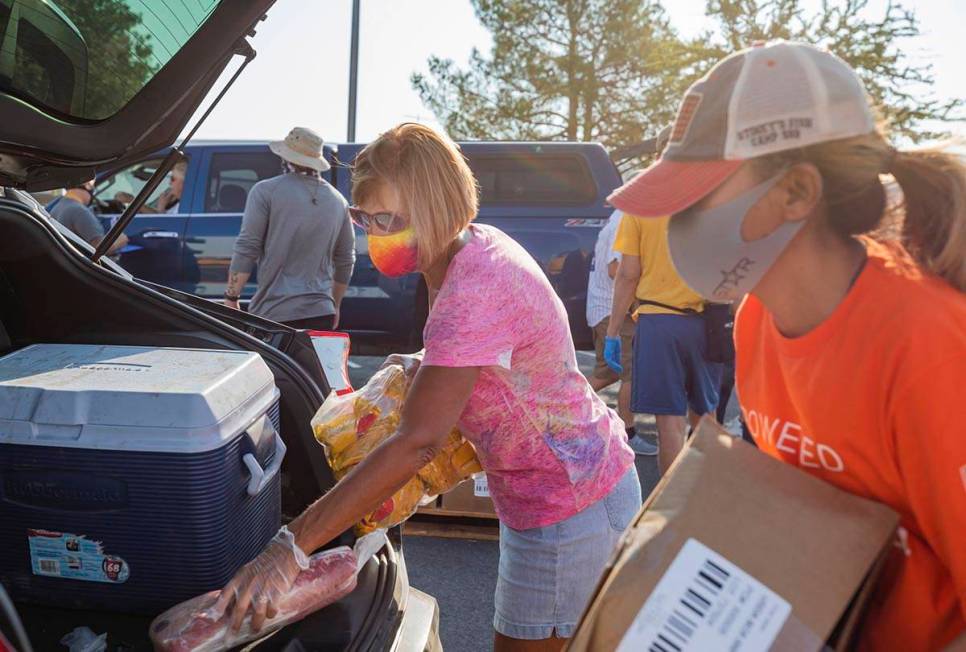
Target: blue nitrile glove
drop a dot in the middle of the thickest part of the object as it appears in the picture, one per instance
(612, 353)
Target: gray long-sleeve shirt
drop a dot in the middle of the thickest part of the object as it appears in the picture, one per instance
(300, 247)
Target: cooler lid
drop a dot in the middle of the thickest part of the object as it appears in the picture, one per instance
(130, 397)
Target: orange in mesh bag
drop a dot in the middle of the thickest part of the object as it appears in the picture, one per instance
(351, 426)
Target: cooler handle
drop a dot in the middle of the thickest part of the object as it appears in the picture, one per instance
(261, 477)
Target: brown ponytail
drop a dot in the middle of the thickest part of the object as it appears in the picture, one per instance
(930, 221)
(933, 185)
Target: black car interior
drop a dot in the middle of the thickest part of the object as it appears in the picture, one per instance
(5, 344)
(49, 293)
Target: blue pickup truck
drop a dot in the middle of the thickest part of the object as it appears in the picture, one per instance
(550, 197)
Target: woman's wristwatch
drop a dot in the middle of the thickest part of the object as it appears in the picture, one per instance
(229, 297)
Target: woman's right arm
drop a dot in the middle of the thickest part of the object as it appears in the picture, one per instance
(432, 408)
(435, 402)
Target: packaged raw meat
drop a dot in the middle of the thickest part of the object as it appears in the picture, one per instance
(330, 576)
(351, 426)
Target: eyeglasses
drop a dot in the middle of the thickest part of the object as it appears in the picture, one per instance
(382, 222)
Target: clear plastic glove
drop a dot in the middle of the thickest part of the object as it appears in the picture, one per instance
(261, 583)
(612, 353)
(83, 639)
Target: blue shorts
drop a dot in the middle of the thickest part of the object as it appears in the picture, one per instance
(670, 372)
(547, 574)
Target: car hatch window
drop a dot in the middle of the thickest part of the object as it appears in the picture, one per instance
(530, 178)
(232, 176)
(87, 59)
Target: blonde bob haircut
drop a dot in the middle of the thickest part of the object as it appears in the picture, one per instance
(436, 187)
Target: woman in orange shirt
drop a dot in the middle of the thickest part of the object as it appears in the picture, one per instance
(851, 346)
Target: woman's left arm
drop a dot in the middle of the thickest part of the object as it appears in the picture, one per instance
(432, 408)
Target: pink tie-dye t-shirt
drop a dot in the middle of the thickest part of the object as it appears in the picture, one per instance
(549, 445)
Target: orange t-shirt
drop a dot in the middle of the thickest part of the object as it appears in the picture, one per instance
(873, 400)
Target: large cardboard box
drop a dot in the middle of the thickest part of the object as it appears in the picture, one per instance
(736, 551)
(471, 498)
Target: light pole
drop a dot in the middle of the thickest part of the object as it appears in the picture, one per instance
(353, 71)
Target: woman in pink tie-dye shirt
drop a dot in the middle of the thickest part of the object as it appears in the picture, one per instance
(500, 363)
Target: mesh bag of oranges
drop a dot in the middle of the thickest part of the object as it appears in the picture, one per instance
(351, 426)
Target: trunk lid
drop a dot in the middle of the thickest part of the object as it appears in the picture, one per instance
(86, 85)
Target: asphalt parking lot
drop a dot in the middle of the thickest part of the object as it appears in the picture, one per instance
(461, 574)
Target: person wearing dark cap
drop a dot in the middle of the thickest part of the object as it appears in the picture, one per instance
(73, 211)
(851, 346)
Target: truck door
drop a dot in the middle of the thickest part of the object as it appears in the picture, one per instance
(227, 175)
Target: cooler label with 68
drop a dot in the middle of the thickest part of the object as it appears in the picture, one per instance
(74, 557)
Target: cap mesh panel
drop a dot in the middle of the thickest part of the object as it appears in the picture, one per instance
(768, 72)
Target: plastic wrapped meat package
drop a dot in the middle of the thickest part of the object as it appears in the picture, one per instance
(351, 426)
(331, 575)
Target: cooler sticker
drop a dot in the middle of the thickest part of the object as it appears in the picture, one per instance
(705, 602)
(74, 557)
(480, 487)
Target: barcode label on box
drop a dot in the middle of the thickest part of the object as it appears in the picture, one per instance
(49, 566)
(705, 602)
(480, 487)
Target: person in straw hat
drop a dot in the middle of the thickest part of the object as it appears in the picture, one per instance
(296, 228)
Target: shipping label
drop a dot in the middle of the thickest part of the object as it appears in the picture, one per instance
(74, 557)
(705, 602)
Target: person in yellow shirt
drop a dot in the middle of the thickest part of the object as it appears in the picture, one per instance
(670, 372)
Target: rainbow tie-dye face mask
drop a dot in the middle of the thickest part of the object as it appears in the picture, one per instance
(395, 254)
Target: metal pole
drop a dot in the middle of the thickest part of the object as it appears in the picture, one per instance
(353, 71)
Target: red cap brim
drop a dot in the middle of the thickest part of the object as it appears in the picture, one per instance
(669, 187)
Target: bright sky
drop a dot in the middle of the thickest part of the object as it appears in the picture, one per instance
(300, 76)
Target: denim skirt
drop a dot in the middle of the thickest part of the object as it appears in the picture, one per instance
(547, 574)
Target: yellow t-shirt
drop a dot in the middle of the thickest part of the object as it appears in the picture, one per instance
(647, 238)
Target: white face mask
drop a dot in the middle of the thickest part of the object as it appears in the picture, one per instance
(711, 256)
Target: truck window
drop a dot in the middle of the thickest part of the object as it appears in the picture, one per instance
(528, 178)
(118, 190)
(232, 176)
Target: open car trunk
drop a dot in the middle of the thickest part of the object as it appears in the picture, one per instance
(359, 621)
(51, 293)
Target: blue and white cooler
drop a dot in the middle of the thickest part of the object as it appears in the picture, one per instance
(133, 478)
